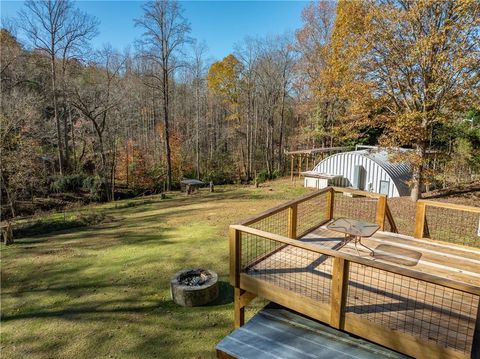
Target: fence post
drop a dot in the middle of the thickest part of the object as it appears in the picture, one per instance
(339, 292)
(381, 210)
(419, 219)
(292, 221)
(330, 199)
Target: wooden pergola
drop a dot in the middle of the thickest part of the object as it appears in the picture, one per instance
(312, 155)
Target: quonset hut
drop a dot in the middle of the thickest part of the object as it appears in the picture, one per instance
(367, 169)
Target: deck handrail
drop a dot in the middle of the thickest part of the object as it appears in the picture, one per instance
(431, 278)
(282, 207)
(421, 213)
(383, 213)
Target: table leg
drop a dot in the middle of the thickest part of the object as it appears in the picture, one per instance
(363, 245)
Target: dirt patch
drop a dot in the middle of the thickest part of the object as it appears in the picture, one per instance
(466, 194)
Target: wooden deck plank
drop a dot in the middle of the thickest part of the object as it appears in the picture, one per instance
(447, 262)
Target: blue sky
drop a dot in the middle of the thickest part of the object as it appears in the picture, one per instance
(220, 24)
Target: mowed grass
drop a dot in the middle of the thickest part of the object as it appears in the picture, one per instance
(103, 291)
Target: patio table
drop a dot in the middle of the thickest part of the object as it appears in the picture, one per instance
(354, 229)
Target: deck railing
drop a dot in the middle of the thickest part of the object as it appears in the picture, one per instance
(448, 222)
(300, 216)
(416, 313)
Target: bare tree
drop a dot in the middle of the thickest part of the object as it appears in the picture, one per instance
(95, 97)
(199, 70)
(166, 31)
(58, 29)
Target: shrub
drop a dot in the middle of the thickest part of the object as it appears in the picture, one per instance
(262, 176)
(276, 174)
(95, 185)
(68, 183)
(218, 177)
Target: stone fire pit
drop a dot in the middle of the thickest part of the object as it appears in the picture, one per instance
(194, 287)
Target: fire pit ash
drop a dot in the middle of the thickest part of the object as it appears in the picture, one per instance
(194, 287)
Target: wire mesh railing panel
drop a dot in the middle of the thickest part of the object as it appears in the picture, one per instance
(363, 208)
(255, 249)
(311, 213)
(428, 311)
(276, 223)
(403, 213)
(453, 225)
(301, 271)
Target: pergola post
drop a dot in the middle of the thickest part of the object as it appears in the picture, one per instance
(291, 168)
(310, 154)
(300, 158)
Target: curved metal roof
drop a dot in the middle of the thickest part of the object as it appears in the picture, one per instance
(399, 172)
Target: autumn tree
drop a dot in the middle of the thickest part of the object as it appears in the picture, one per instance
(422, 63)
(20, 168)
(313, 43)
(60, 30)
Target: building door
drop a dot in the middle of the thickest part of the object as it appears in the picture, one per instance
(384, 187)
(359, 175)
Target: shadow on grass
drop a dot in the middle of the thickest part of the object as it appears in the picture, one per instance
(225, 294)
(75, 312)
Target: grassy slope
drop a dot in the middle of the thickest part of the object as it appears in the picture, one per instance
(104, 291)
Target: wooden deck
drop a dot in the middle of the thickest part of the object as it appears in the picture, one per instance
(419, 296)
(382, 297)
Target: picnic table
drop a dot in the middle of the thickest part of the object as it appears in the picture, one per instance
(355, 230)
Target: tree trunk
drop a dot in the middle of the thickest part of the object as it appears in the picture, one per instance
(55, 114)
(280, 140)
(417, 176)
(197, 134)
(167, 129)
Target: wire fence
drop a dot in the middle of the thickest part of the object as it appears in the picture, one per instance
(276, 223)
(429, 311)
(363, 208)
(453, 225)
(311, 213)
(403, 214)
(298, 270)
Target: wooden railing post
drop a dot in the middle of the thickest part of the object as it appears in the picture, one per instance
(292, 221)
(235, 256)
(381, 211)
(419, 219)
(339, 292)
(330, 199)
(476, 336)
(235, 267)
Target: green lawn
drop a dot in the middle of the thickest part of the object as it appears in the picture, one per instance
(103, 291)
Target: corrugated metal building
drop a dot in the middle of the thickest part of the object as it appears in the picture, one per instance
(367, 169)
